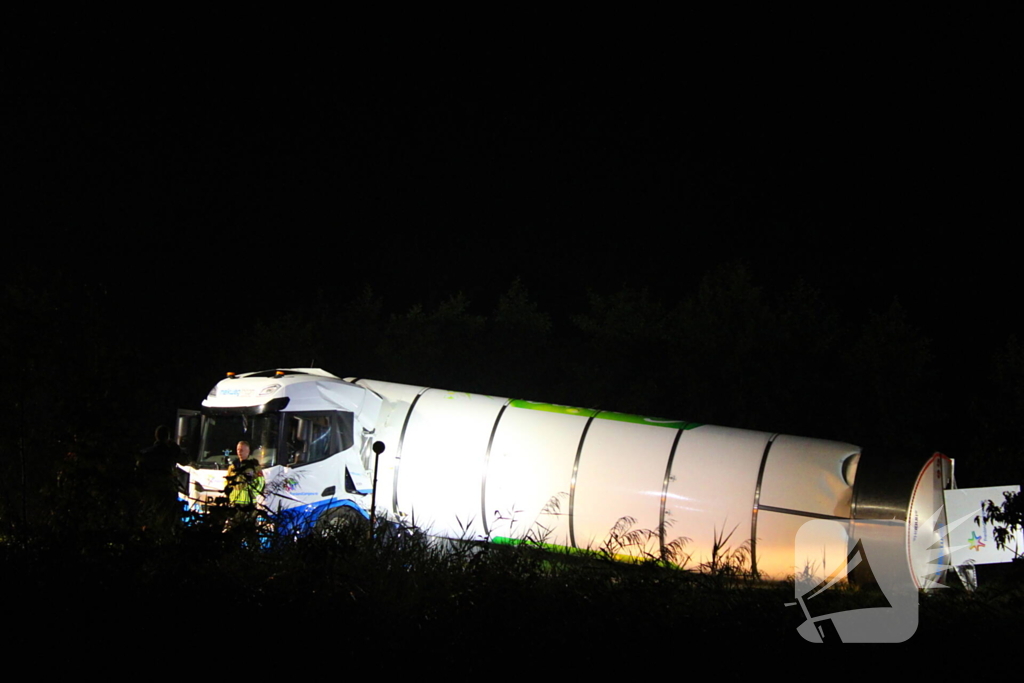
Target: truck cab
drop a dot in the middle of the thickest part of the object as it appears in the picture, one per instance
(310, 431)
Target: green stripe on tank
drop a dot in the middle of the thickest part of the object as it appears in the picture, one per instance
(505, 540)
(603, 414)
(652, 421)
(581, 552)
(552, 408)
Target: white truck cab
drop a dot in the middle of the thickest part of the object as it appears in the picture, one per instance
(310, 431)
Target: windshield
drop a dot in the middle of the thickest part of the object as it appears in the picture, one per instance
(311, 436)
(221, 434)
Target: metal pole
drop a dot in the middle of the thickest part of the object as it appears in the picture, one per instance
(378, 448)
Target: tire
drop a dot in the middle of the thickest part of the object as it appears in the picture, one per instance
(342, 519)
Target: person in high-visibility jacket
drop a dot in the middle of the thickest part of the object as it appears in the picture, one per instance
(245, 478)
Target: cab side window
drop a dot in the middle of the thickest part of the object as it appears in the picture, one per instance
(314, 436)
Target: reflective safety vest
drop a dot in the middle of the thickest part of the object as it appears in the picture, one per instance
(244, 482)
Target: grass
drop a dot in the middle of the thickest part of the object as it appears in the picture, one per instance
(455, 601)
(461, 595)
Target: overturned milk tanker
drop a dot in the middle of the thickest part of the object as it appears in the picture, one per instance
(484, 467)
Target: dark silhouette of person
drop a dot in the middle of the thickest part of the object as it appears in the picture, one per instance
(162, 456)
(157, 472)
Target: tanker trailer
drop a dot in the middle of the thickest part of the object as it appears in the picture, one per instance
(488, 468)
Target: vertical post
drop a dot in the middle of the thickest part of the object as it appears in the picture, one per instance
(378, 448)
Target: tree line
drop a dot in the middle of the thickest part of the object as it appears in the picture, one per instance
(83, 375)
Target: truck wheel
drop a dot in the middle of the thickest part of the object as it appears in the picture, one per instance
(341, 519)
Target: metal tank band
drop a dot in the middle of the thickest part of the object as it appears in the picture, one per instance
(401, 443)
(483, 476)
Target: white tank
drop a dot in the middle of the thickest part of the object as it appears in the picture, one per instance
(485, 467)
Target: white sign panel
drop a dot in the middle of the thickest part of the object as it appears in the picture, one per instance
(972, 542)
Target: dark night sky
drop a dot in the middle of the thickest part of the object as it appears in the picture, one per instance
(176, 181)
